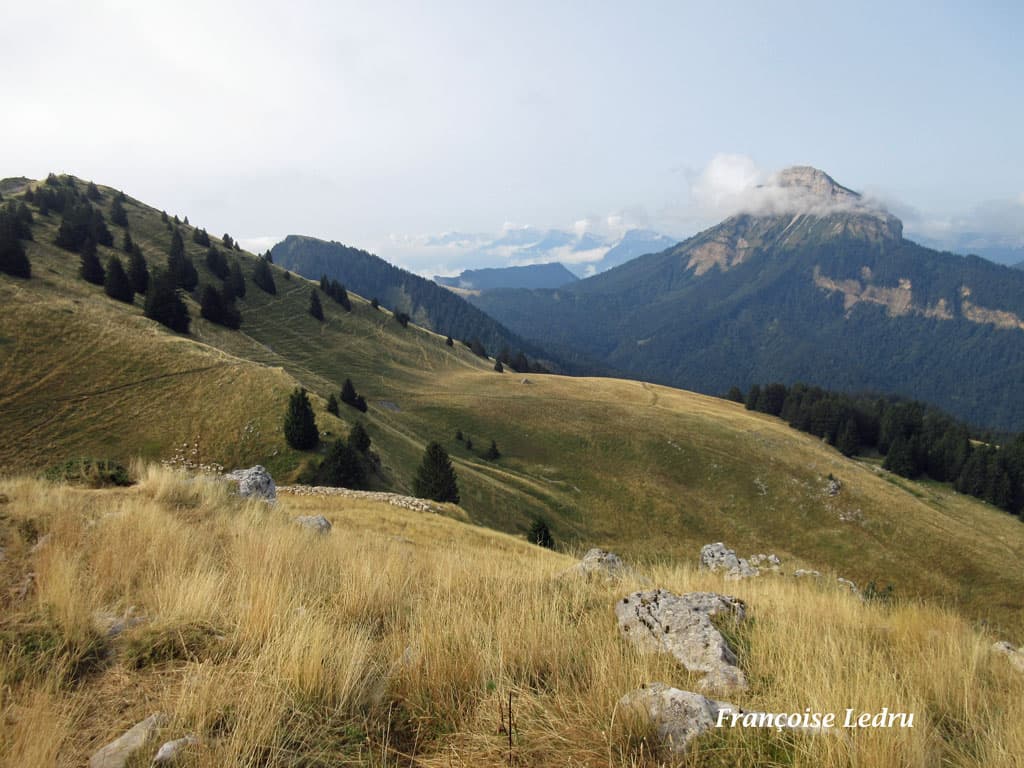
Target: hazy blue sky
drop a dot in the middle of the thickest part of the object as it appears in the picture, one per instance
(360, 121)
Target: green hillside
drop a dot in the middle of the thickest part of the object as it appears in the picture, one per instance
(648, 471)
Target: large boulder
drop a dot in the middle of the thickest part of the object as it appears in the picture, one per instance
(117, 753)
(254, 483)
(660, 621)
(718, 558)
(170, 751)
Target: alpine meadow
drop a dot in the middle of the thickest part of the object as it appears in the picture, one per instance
(450, 387)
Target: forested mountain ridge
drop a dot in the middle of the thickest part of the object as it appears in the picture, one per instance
(815, 285)
(427, 303)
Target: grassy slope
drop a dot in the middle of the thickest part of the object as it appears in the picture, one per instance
(397, 639)
(648, 471)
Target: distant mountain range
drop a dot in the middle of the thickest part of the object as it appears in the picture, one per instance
(583, 253)
(552, 275)
(810, 284)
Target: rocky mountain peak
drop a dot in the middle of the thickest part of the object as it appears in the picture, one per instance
(817, 183)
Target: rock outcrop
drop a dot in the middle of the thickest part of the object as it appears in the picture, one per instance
(254, 483)
(718, 558)
(660, 621)
(315, 523)
(117, 753)
(598, 563)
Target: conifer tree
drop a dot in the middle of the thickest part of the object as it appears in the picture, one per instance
(315, 309)
(448, 342)
(332, 404)
(90, 269)
(237, 280)
(116, 283)
(900, 458)
(127, 244)
(138, 272)
(341, 467)
(92, 191)
(498, 366)
(349, 396)
(374, 303)
(540, 534)
(358, 438)
(117, 213)
(263, 276)
(217, 263)
(436, 478)
(492, 453)
(848, 442)
(300, 428)
(164, 305)
(735, 394)
(13, 260)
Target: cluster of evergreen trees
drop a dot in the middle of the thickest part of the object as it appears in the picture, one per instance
(263, 276)
(519, 362)
(336, 291)
(491, 454)
(916, 439)
(349, 396)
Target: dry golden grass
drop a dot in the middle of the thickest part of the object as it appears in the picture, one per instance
(397, 639)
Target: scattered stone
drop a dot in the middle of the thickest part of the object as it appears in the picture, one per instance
(41, 543)
(1015, 655)
(848, 584)
(113, 625)
(765, 562)
(525, 381)
(718, 557)
(801, 573)
(680, 716)
(598, 562)
(658, 620)
(117, 753)
(170, 750)
(315, 523)
(834, 486)
(254, 483)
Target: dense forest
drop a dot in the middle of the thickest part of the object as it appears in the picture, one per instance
(916, 439)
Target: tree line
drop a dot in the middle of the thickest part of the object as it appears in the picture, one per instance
(915, 439)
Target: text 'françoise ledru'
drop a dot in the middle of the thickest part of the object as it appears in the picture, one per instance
(808, 720)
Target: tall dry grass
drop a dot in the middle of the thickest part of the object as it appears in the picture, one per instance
(397, 639)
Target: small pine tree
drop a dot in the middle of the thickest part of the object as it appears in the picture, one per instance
(217, 263)
(900, 458)
(358, 438)
(374, 303)
(469, 443)
(185, 221)
(540, 534)
(127, 244)
(315, 308)
(263, 276)
(436, 478)
(117, 213)
(492, 453)
(735, 394)
(300, 428)
(448, 342)
(91, 270)
(458, 435)
(752, 397)
(498, 366)
(403, 319)
(138, 272)
(341, 467)
(237, 280)
(348, 393)
(163, 217)
(228, 242)
(117, 284)
(332, 404)
(92, 192)
(164, 305)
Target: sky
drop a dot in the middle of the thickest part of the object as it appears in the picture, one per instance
(382, 124)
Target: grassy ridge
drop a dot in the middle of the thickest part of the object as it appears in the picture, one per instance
(397, 639)
(649, 471)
